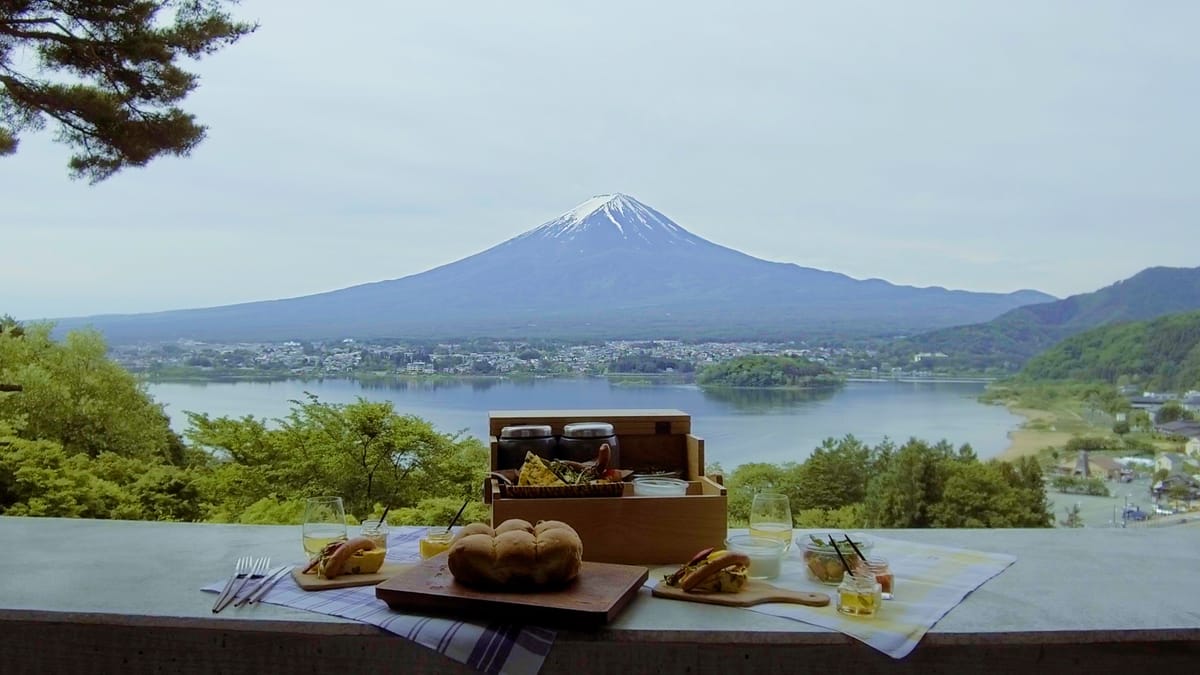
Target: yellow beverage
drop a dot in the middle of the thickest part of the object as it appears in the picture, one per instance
(314, 544)
(434, 542)
(778, 531)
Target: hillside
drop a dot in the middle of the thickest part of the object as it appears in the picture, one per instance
(611, 267)
(1158, 355)
(1010, 340)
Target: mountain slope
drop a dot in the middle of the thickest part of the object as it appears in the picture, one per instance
(610, 267)
(1162, 355)
(1016, 336)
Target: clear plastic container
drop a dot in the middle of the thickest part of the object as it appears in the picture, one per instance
(766, 555)
(821, 561)
(659, 487)
(883, 574)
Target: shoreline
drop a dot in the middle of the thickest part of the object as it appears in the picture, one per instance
(1026, 442)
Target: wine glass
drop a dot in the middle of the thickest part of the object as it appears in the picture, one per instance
(324, 522)
(771, 518)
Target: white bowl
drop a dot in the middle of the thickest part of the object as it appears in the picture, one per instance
(659, 487)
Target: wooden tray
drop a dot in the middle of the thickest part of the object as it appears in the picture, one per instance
(562, 491)
(311, 582)
(755, 593)
(593, 599)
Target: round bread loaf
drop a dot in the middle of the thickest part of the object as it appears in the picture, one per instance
(516, 554)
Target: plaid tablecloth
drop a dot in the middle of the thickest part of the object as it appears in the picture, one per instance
(930, 581)
(490, 648)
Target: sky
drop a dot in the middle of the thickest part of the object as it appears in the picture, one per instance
(981, 146)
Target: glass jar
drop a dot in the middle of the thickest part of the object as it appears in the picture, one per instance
(515, 441)
(436, 540)
(376, 531)
(859, 595)
(581, 441)
(883, 575)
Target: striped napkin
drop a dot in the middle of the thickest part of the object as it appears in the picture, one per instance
(490, 648)
(930, 581)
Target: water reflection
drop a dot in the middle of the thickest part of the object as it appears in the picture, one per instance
(766, 400)
(477, 384)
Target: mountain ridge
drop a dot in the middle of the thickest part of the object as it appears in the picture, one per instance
(611, 267)
(1013, 338)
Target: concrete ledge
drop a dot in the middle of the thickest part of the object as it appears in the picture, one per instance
(83, 596)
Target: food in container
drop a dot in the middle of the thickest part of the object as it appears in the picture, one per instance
(435, 541)
(821, 561)
(766, 555)
(883, 574)
(659, 487)
(581, 441)
(517, 441)
(859, 595)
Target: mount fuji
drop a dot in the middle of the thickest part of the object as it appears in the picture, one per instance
(612, 267)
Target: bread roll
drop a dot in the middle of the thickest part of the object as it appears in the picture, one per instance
(516, 554)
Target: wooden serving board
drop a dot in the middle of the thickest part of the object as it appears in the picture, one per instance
(594, 598)
(311, 582)
(755, 592)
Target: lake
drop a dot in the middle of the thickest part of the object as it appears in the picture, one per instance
(738, 426)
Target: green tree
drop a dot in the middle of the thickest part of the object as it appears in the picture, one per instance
(363, 451)
(1172, 411)
(74, 395)
(106, 73)
(834, 476)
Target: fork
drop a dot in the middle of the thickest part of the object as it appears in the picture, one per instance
(240, 568)
(257, 570)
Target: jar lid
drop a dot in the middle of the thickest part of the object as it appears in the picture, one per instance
(587, 430)
(526, 431)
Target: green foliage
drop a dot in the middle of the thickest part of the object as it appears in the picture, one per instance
(1172, 411)
(760, 370)
(440, 511)
(645, 363)
(1012, 339)
(1163, 354)
(847, 484)
(1080, 485)
(363, 451)
(1121, 427)
(106, 72)
(73, 395)
(1078, 443)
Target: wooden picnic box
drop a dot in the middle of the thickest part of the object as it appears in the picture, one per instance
(627, 529)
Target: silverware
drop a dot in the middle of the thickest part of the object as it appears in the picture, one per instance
(240, 568)
(260, 566)
(263, 586)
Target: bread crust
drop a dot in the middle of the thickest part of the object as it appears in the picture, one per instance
(516, 555)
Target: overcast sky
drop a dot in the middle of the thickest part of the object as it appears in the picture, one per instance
(984, 146)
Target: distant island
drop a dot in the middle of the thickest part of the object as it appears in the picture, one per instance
(763, 370)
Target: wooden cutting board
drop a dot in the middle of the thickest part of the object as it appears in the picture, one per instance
(311, 582)
(593, 599)
(755, 592)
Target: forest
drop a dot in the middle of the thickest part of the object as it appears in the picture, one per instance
(80, 438)
(762, 370)
(1158, 355)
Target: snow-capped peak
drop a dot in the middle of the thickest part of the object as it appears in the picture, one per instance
(614, 216)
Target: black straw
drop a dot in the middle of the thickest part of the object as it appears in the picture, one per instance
(840, 556)
(860, 555)
(383, 518)
(459, 514)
